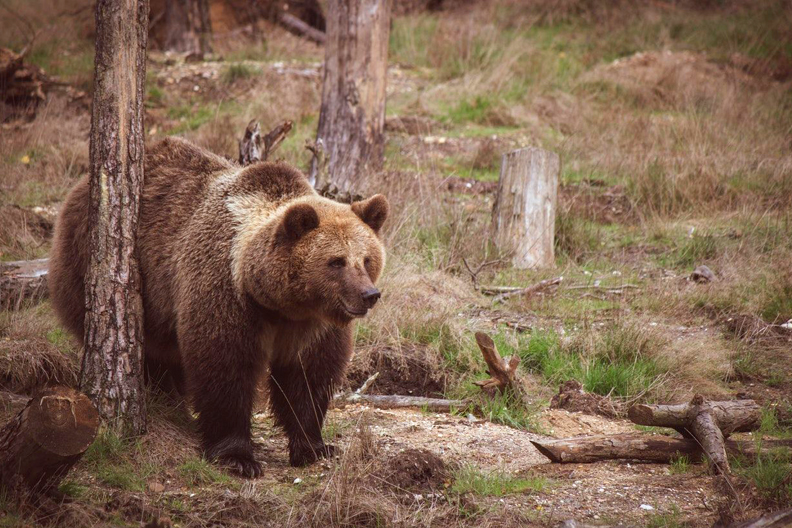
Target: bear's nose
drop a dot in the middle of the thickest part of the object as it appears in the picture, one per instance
(371, 296)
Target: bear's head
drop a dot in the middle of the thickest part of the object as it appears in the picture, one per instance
(317, 258)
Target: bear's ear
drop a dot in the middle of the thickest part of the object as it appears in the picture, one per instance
(373, 211)
(297, 221)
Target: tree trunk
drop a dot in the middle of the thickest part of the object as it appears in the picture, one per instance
(43, 441)
(352, 116)
(523, 217)
(112, 374)
(639, 446)
(187, 26)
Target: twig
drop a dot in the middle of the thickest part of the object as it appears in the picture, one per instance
(529, 290)
(474, 274)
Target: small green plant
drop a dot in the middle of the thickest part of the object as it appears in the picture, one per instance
(669, 519)
(469, 479)
(680, 464)
(199, 472)
(237, 72)
(109, 458)
(71, 488)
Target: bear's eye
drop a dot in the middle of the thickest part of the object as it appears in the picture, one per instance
(367, 261)
(339, 262)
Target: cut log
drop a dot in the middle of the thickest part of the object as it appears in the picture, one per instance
(21, 282)
(501, 370)
(779, 519)
(43, 441)
(640, 446)
(523, 216)
(731, 416)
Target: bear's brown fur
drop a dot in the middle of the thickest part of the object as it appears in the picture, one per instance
(243, 270)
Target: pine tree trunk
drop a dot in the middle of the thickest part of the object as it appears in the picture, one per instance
(187, 26)
(112, 374)
(523, 217)
(352, 116)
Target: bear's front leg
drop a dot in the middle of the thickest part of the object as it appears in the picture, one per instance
(300, 391)
(221, 375)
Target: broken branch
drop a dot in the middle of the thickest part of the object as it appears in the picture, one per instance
(529, 290)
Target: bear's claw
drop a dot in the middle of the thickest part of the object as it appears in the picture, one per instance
(308, 454)
(246, 466)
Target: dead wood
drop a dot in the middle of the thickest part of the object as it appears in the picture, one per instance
(21, 282)
(395, 401)
(640, 446)
(779, 519)
(501, 370)
(303, 29)
(253, 147)
(708, 422)
(21, 86)
(530, 290)
(46, 438)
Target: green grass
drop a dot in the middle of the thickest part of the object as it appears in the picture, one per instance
(680, 465)
(669, 519)
(621, 362)
(237, 72)
(110, 459)
(199, 472)
(469, 479)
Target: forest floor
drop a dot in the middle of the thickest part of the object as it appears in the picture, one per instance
(673, 126)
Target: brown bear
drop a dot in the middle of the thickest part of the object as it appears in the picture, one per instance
(245, 272)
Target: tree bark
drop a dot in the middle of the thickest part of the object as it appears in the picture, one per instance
(46, 438)
(779, 519)
(523, 216)
(393, 401)
(638, 446)
(352, 115)
(188, 27)
(731, 416)
(112, 374)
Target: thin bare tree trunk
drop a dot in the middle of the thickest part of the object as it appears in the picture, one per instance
(187, 26)
(112, 373)
(352, 116)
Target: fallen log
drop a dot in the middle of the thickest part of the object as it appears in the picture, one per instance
(708, 422)
(529, 290)
(640, 446)
(779, 519)
(22, 281)
(303, 29)
(731, 416)
(382, 401)
(41, 443)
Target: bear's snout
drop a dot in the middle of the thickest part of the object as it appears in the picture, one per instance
(370, 297)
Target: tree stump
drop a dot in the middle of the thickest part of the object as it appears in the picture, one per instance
(352, 115)
(43, 441)
(708, 422)
(523, 216)
(112, 366)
